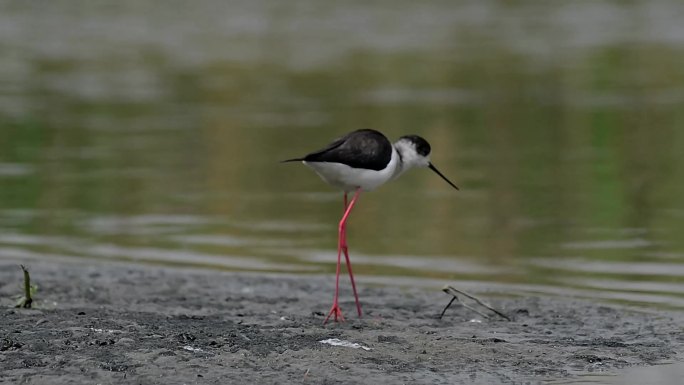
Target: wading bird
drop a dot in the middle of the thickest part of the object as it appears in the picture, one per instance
(361, 161)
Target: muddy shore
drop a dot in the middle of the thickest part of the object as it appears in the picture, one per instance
(110, 324)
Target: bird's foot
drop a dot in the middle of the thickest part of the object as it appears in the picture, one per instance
(336, 311)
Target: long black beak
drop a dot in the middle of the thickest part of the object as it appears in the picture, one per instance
(433, 168)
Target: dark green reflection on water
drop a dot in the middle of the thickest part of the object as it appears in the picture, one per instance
(144, 137)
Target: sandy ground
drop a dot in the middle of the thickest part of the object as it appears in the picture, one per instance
(111, 324)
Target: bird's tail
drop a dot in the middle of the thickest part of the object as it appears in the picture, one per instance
(292, 160)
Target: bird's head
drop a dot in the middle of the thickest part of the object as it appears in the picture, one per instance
(415, 152)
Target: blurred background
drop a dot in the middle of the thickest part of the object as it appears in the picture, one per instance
(146, 132)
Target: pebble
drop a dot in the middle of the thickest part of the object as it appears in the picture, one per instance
(125, 341)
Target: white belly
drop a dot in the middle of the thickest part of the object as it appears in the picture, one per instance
(349, 179)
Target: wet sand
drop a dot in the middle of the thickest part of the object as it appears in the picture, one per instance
(110, 324)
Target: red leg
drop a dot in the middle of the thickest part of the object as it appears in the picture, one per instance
(342, 246)
(345, 250)
(335, 306)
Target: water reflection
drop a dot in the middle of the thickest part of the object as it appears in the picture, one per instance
(134, 133)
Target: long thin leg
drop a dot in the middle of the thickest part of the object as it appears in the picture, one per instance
(343, 246)
(341, 232)
(335, 309)
(335, 306)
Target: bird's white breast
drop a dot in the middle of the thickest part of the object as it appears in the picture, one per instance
(349, 179)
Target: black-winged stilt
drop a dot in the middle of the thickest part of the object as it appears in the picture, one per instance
(361, 161)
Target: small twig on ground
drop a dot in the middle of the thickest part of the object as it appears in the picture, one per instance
(26, 300)
(455, 292)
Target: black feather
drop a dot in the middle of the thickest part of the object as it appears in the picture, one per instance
(292, 160)
(363, 148)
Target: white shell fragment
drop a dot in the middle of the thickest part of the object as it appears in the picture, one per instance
(191, 349)
(346, 344)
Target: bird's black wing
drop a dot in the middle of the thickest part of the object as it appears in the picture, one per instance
(330, 147)
(364, 148)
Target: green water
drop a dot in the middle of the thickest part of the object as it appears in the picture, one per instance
(135, 132)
